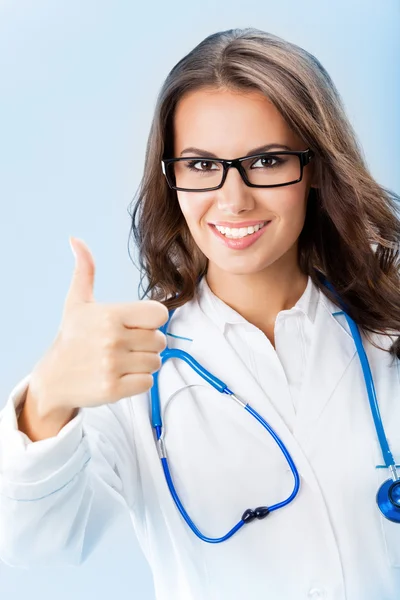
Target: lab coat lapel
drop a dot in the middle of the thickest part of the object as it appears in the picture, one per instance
(331, 352)
(210, 348)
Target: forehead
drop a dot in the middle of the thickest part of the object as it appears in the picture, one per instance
(228, 122)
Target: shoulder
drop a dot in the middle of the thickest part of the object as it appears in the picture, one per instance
(184, 315)
(376, 345)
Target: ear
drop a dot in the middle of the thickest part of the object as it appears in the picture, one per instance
(312, 176)
(314, 183)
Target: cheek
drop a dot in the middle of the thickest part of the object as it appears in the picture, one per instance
(194, 206)
(290, 206)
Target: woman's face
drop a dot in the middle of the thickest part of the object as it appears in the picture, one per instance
(230, 124)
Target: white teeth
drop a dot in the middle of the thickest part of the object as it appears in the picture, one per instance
(240, 232)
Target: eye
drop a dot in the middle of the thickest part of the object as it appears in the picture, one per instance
(266, 162)
(206, 165)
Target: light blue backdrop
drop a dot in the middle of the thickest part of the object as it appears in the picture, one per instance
(78, 83)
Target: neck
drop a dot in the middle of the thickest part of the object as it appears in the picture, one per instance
(259, 296)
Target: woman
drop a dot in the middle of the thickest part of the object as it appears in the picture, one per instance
(255, 198)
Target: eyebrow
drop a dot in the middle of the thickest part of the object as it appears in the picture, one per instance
(258, 150)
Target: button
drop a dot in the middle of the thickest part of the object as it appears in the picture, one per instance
(316, 593)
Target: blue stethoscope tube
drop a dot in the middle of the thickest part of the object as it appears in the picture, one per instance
(388, 495)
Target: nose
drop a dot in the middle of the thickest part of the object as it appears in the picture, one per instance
(235, 197)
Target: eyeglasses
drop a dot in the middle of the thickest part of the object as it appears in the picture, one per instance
(270, 169)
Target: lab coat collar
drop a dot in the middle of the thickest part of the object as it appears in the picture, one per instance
(222, 314)
(331, 353)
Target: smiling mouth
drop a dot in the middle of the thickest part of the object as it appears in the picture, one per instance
(240, 232)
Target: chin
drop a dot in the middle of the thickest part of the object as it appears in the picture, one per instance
(241, 266)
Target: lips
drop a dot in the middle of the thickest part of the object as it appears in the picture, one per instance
(242, 242)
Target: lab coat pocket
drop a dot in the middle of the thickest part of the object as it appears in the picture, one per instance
(390, 529)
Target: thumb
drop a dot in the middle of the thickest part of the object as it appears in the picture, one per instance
(81, 288)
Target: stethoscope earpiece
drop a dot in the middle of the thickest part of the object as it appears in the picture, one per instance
(388, 500)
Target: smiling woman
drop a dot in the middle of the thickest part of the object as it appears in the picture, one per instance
(275, 251)
(250, 100)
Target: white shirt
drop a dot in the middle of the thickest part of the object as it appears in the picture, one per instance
(58, 495)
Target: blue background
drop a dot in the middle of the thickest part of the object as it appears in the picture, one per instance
(78, 84)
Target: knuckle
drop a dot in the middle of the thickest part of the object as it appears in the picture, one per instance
(156, 363)
(109, 362)
(108, 320)
(161, 340)
(145, 383)
(158, 312)
(163, 313)
(148, 382)
(110, 343)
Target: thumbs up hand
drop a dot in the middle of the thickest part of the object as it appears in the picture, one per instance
(102, 352)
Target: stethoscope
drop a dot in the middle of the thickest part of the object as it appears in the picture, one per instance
(388, 495)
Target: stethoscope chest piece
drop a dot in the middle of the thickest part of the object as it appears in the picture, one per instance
(388, 500)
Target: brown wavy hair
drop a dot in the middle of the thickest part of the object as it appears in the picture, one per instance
(351, 230)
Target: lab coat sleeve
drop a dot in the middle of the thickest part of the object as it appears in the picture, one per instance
(59, 495)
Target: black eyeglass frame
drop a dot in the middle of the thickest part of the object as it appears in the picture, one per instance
(304, 158)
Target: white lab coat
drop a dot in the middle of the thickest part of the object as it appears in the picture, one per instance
(58, 495)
